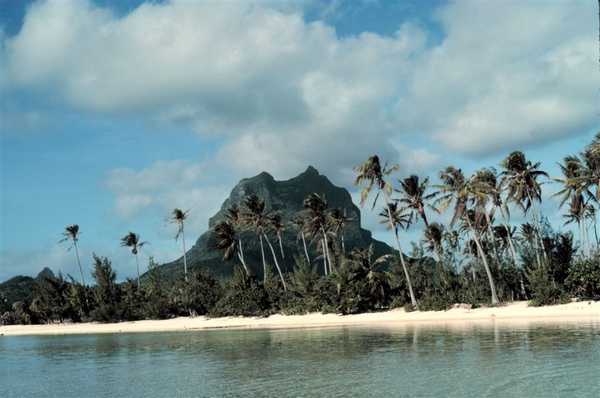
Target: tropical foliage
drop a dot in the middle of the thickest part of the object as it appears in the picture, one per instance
(479, 257)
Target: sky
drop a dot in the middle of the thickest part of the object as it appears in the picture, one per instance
(112, 113)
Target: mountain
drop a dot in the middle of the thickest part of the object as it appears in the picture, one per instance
(286, 198)
(20, 288)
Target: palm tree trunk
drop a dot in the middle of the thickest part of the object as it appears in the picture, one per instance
(185, 275)
(413, 299)
(276, 262)
(485, 263)
(280, 245)
(511, 245)
(79, 262)
(325, 241)
(305, 249)
(137, 264)
(241, 257)
(537, 220)
(492, 238)
(324, 256)
(264, 262)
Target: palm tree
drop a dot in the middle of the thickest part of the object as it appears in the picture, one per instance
(520, 179)
(338, 221)
(278, 226)
(579, 211)
(576, 184)
(483, 188)
(299, 221)
(234, 216)
(254, 216)
(370, 174)
(228, 241)
(591, 159)
(414, 197)
(317, 224)
(178, 218)
(132, 240)
(71, 233)
(473, 223)
(433, 236)
(257, 217)
(455, 188)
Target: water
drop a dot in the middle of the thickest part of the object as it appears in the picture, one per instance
(532, 360)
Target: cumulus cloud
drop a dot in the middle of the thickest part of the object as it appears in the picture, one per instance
(165, 185)
(283, 93)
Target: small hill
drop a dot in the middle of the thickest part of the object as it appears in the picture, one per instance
(20, 288)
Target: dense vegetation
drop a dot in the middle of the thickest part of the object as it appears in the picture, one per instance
(480, 257)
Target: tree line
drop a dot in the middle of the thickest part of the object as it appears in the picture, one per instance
(479, 257)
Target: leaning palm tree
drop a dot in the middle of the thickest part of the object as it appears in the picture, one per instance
(579, 212)
(256, 217)
(299, 222)
(520, 180)
(317, 225)
(276, 223)
(132, 241)
(371, 174)
(433, 236)
(178, 218)
(455, 188)
(591, 159)
(414, 197)
(229, 243)
(71, 233)
(338, 220)
(234, 216)
(474, 223)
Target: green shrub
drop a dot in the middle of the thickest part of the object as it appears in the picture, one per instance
(244, 296)
(543, 289)
(583, 280)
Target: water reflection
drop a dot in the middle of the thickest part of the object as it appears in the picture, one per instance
(488, 358)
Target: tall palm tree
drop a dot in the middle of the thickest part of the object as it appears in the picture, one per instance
(414, 197)
(473, 223)
(299, 222)
(235, 218)
(278, 226)
(317, 224)
(580, 211)
(71, 233)
(433, 236)
(591, 159)
(178, 218)
(229, 243)
(338, 220)
(455, 188)
(132, 241)
(520, 180)
(371, 174)
(257, 218)
(483, 190)
(576, 187)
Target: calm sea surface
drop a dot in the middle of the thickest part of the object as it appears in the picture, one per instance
(533, 360)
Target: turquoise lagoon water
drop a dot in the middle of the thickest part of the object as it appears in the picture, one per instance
(534, 360)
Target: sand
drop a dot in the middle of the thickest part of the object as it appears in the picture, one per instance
(517, 313)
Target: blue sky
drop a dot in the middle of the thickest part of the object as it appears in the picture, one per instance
(114, 112)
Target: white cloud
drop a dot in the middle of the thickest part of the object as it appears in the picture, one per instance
(165, 185)
(284, 93)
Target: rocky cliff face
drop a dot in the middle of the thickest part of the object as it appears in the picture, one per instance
(284, 197)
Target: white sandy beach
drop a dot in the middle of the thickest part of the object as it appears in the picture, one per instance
(516, 313)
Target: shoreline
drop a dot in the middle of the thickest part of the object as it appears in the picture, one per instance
(513, 314)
